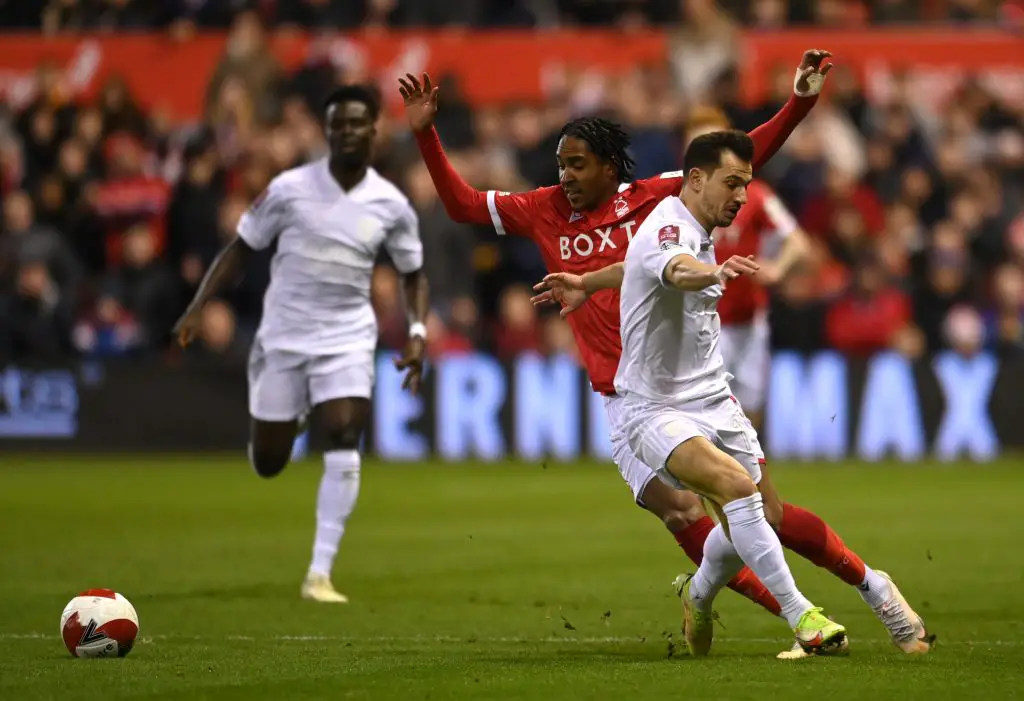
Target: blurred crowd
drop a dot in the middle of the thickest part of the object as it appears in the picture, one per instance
(89, 15)
(111, 216)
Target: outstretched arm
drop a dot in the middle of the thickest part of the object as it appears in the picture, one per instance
(571, 291)
(810, 77)
(686, 273)
(464, 203)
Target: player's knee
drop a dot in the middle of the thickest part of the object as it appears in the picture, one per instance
(732, 482)
(267, 466)
(677, 521)
(267, 463)
(685, 511)
(345, 437)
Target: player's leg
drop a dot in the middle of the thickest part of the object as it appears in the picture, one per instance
(340, 388)
(277, 397)
(809, 536)
(675, 439)
(683, 514)
(680, 510)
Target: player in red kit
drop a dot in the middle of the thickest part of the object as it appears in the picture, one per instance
(765, 229)
(586, 223)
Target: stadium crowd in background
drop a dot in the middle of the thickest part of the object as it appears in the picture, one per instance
(110, 215)
(65, 15)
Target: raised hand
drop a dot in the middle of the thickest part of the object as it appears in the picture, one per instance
(420, 101)
(810, 74)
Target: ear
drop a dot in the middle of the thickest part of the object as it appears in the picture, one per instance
(695, 179)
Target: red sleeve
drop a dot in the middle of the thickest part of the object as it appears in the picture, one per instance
(518, 213)
(667, 184)
(463, 202)
(769, 137)
(506, 212)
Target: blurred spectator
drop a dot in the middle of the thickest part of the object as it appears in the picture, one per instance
(144, 287)
(112, 212)
(518, 329)
(964, 331)
(248, 68)
(946, 282)
(36, 318)
(128, 196)
(193, 212)
(871, 316)
(23, 242)
(119, 111)
(1005, 317)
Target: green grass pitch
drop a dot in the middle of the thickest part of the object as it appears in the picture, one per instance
(509, 581)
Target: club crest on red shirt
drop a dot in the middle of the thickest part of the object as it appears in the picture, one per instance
(668, 236)
(621, 207)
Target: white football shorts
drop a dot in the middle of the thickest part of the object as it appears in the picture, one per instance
(633, 470)
(745, 351)
(283, 385)
(655, 429)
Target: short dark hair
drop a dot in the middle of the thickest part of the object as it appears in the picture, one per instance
(607, 140)
(705, 152)
(355, 92)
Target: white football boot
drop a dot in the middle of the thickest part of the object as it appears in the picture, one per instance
(318, 587)
(905, 627)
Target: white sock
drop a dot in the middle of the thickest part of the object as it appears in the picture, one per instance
(339, 488)
(720, 564)
(874, 590)
(761, 550)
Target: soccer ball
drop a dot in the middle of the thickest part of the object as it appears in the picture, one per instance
(99, 623)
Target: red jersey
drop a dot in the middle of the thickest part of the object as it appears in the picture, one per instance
(581, 242)
(763, 220)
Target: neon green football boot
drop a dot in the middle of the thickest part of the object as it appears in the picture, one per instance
(818, 634)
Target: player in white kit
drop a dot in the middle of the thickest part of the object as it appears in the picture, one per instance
(315, 345)
(682, 417)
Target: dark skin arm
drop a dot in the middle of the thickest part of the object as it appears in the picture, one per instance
(417, 295)
(223, 271)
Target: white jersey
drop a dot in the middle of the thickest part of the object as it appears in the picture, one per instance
(669, 337)
(318, 301)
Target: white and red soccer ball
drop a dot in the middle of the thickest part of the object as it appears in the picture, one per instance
(99, 623)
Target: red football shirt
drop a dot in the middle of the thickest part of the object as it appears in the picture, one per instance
(581, 242)
(764, 219)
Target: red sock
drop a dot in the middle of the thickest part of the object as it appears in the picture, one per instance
(808, 536)
(691, 540)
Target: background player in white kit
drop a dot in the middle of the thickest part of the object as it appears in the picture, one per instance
(316, 341)
(682, 417)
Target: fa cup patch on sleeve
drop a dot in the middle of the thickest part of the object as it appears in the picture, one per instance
(668, 236)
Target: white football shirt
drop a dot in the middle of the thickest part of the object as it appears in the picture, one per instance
(318, 300)
(669, 337)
